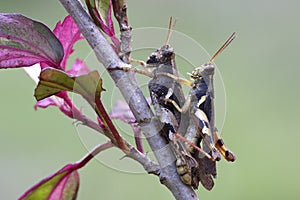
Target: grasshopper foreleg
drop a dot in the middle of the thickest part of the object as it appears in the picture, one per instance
(182, 109)
(142, 63)
(176, 78)
(133, 69)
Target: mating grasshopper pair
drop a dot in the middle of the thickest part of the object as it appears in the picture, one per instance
(200, 106)
(190, 122)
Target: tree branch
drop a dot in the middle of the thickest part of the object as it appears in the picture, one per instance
(133, 96)
(120, 12)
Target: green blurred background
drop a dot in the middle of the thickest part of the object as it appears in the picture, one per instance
(260, 71)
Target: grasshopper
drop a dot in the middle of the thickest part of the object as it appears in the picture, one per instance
(162, 87)
(200, 104)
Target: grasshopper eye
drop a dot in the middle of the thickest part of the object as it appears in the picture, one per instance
(196, 73)
(167, 53)
(152, 59)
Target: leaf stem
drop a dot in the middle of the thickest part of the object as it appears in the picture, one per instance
(108, 123)
(101, 147)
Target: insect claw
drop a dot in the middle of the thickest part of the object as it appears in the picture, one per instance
(220, 145)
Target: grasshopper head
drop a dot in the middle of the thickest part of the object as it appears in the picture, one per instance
(204, 70)
(165, 54)
(162, 55)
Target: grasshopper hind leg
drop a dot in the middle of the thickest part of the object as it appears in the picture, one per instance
(220, 145)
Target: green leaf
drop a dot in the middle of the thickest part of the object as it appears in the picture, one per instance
(100, 11)
(53, 81)
(71, 188)
(103, 6)
(62, 185)
(99, 7)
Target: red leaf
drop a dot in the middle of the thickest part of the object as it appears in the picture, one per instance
(44, 103)
(68, 33)
(78, 68)
(24, 42)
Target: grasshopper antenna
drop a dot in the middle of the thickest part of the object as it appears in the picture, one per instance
(228, 41)
(170, 29)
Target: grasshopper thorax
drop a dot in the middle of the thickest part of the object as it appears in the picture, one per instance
(163, 55)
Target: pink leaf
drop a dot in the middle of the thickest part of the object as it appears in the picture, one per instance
(78, 68)
(24, 42)
(122, 112)
(68, 33)
(44, 103)
(62, 101)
